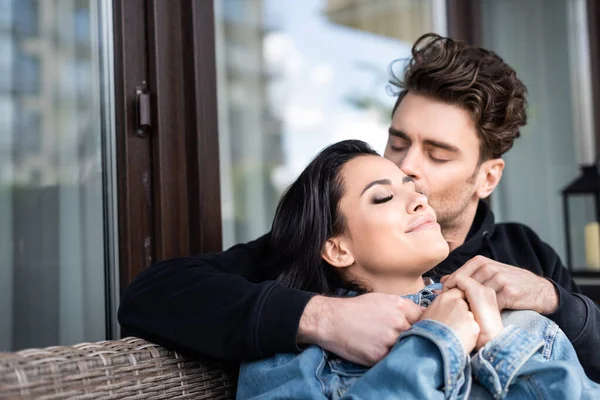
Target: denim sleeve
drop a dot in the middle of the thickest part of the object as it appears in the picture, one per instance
(427, 362)
(512, 366)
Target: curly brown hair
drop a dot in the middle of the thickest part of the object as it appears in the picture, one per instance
(476, 79)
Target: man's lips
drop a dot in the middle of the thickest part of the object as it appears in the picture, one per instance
(422, 222)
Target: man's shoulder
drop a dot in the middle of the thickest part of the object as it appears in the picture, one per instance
(260, 244)
(514, 231)
(245, 259)
(522, 244)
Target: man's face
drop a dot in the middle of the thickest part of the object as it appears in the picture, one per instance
(438, 146)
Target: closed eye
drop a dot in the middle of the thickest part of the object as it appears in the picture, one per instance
(398, 148)
(380, 200)
(438, 160)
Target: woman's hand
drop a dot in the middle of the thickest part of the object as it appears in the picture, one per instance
(484, 305)
(451, 309)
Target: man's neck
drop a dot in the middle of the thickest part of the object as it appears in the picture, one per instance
(456, 232)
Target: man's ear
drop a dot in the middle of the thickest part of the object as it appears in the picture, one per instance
(337, 252)
(491, 171)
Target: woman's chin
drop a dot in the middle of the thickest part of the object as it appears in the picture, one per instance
(438, 251)
(435, 254)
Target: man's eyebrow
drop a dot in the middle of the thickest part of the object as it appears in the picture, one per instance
(377, 182)
(441, 145)
(397, 133)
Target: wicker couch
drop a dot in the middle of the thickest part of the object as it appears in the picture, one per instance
(129, 368)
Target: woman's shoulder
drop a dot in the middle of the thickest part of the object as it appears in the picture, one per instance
(310, 357)
(284, 375)
(319, 372)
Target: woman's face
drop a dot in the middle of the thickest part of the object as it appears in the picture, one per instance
(390, 228)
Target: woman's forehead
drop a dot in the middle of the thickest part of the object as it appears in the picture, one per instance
(362, 170)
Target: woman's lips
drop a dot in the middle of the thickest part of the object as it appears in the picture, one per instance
(423, 222)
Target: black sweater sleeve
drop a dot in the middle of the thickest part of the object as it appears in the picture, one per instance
(208, 304)
(577, 315)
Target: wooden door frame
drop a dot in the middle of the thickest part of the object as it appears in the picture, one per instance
(134, 179)
(167, 182)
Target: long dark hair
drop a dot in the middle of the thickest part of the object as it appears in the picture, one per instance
(307, 216)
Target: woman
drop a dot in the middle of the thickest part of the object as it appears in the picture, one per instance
(353, 223)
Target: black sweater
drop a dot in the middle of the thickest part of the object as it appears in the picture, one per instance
(219, 305)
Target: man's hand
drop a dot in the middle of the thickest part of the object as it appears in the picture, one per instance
(451, 309)
(483, 304)
(516, 288)
(362, 329)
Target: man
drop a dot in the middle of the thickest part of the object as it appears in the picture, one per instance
(460, 108)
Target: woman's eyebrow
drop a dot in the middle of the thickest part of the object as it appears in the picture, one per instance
(387, 182)
(377, 182)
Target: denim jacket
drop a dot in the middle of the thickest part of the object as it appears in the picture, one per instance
(530, 359)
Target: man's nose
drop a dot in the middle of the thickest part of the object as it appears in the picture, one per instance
(411, 164)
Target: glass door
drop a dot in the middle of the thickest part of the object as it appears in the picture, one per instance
(558, 137)
(56, 173)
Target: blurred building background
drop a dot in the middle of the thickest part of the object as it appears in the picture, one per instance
(250, 134)
(51, 185)
(294, 77)
(403, 20)
(291, 77)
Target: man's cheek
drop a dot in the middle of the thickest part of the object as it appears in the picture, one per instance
(425, 191)
(396, 159)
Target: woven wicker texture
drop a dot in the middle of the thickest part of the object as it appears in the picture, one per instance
(129, 368)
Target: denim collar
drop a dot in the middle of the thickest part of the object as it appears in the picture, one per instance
(423, 298)
(426, 295)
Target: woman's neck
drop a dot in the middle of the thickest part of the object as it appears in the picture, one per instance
(399, 285)
(396, 284)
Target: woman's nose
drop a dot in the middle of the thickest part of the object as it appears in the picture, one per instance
(417, 203)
